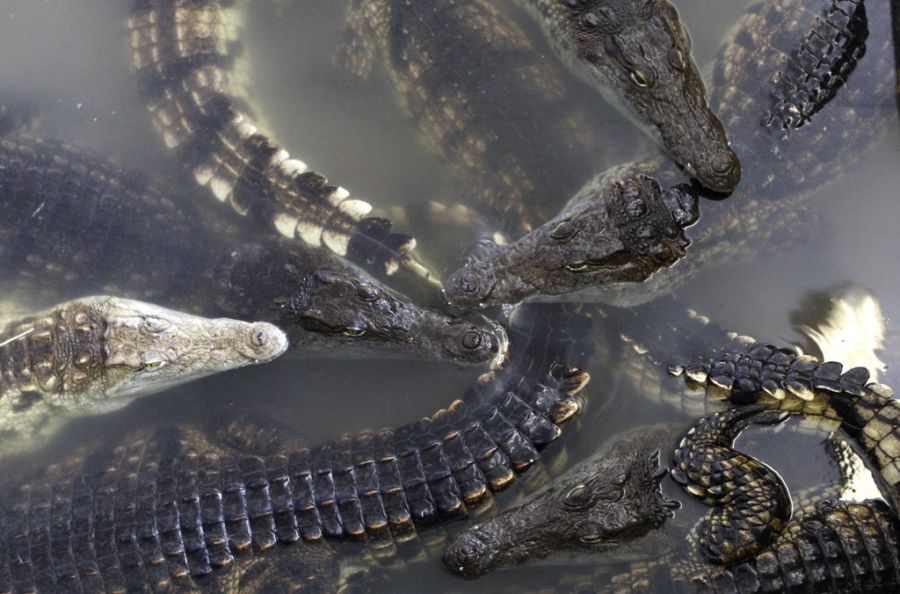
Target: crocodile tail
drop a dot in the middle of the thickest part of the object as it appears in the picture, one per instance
(751, 504)
(184, 54)
(835, 546)
(820, 66)
(801, 384)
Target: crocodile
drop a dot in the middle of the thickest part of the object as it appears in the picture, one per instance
(628, 53)
(751, 539)
(184, 52)
(781, 172)
(244, 509)
(96, 354)
(757, 378)
(638, 53)
(588, 511)
(621, 228)
(73, 222)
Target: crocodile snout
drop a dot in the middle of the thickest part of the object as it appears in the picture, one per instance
(721, 173)
(467, 555)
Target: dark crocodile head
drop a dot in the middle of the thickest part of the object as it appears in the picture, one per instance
(614, 231)
(639, 53)
(603, 503)
(321, 302)
(345, 308)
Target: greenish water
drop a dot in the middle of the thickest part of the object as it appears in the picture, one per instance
(74, 56)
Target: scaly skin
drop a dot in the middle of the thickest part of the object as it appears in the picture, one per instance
(96, 354)
(614, 497)
(781, 174)
(830, 546)
(480, 94)
(71, 222)
(639, 54)
(785, 381)
(594, 508)
(243, 510)
(183, 52)
(620, 228)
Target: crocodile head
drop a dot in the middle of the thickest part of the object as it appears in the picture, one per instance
(639, 54)
(146, 348)
(340, 307)
(324, 303)
(601, 504)
(613, 231)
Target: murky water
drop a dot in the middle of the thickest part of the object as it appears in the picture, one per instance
(73, 57)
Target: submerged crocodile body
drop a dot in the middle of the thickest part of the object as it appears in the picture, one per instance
(179, 510)
(184, 52)
(96, 354)
(72, 223)
(504, 97)
(781, 172)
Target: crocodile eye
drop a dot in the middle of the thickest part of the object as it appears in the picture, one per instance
(577, 266)
(676, 58)
(577, 497)
(562, 231)
(150, 361)
(353, 331)
(638, 78)
(155, 325)
(367, 292)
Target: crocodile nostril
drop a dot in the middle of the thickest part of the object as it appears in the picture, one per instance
(472, 339)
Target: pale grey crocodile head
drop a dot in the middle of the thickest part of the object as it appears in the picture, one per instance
(619, 230)
(639, 54)
(140, 348)
(602, 504)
